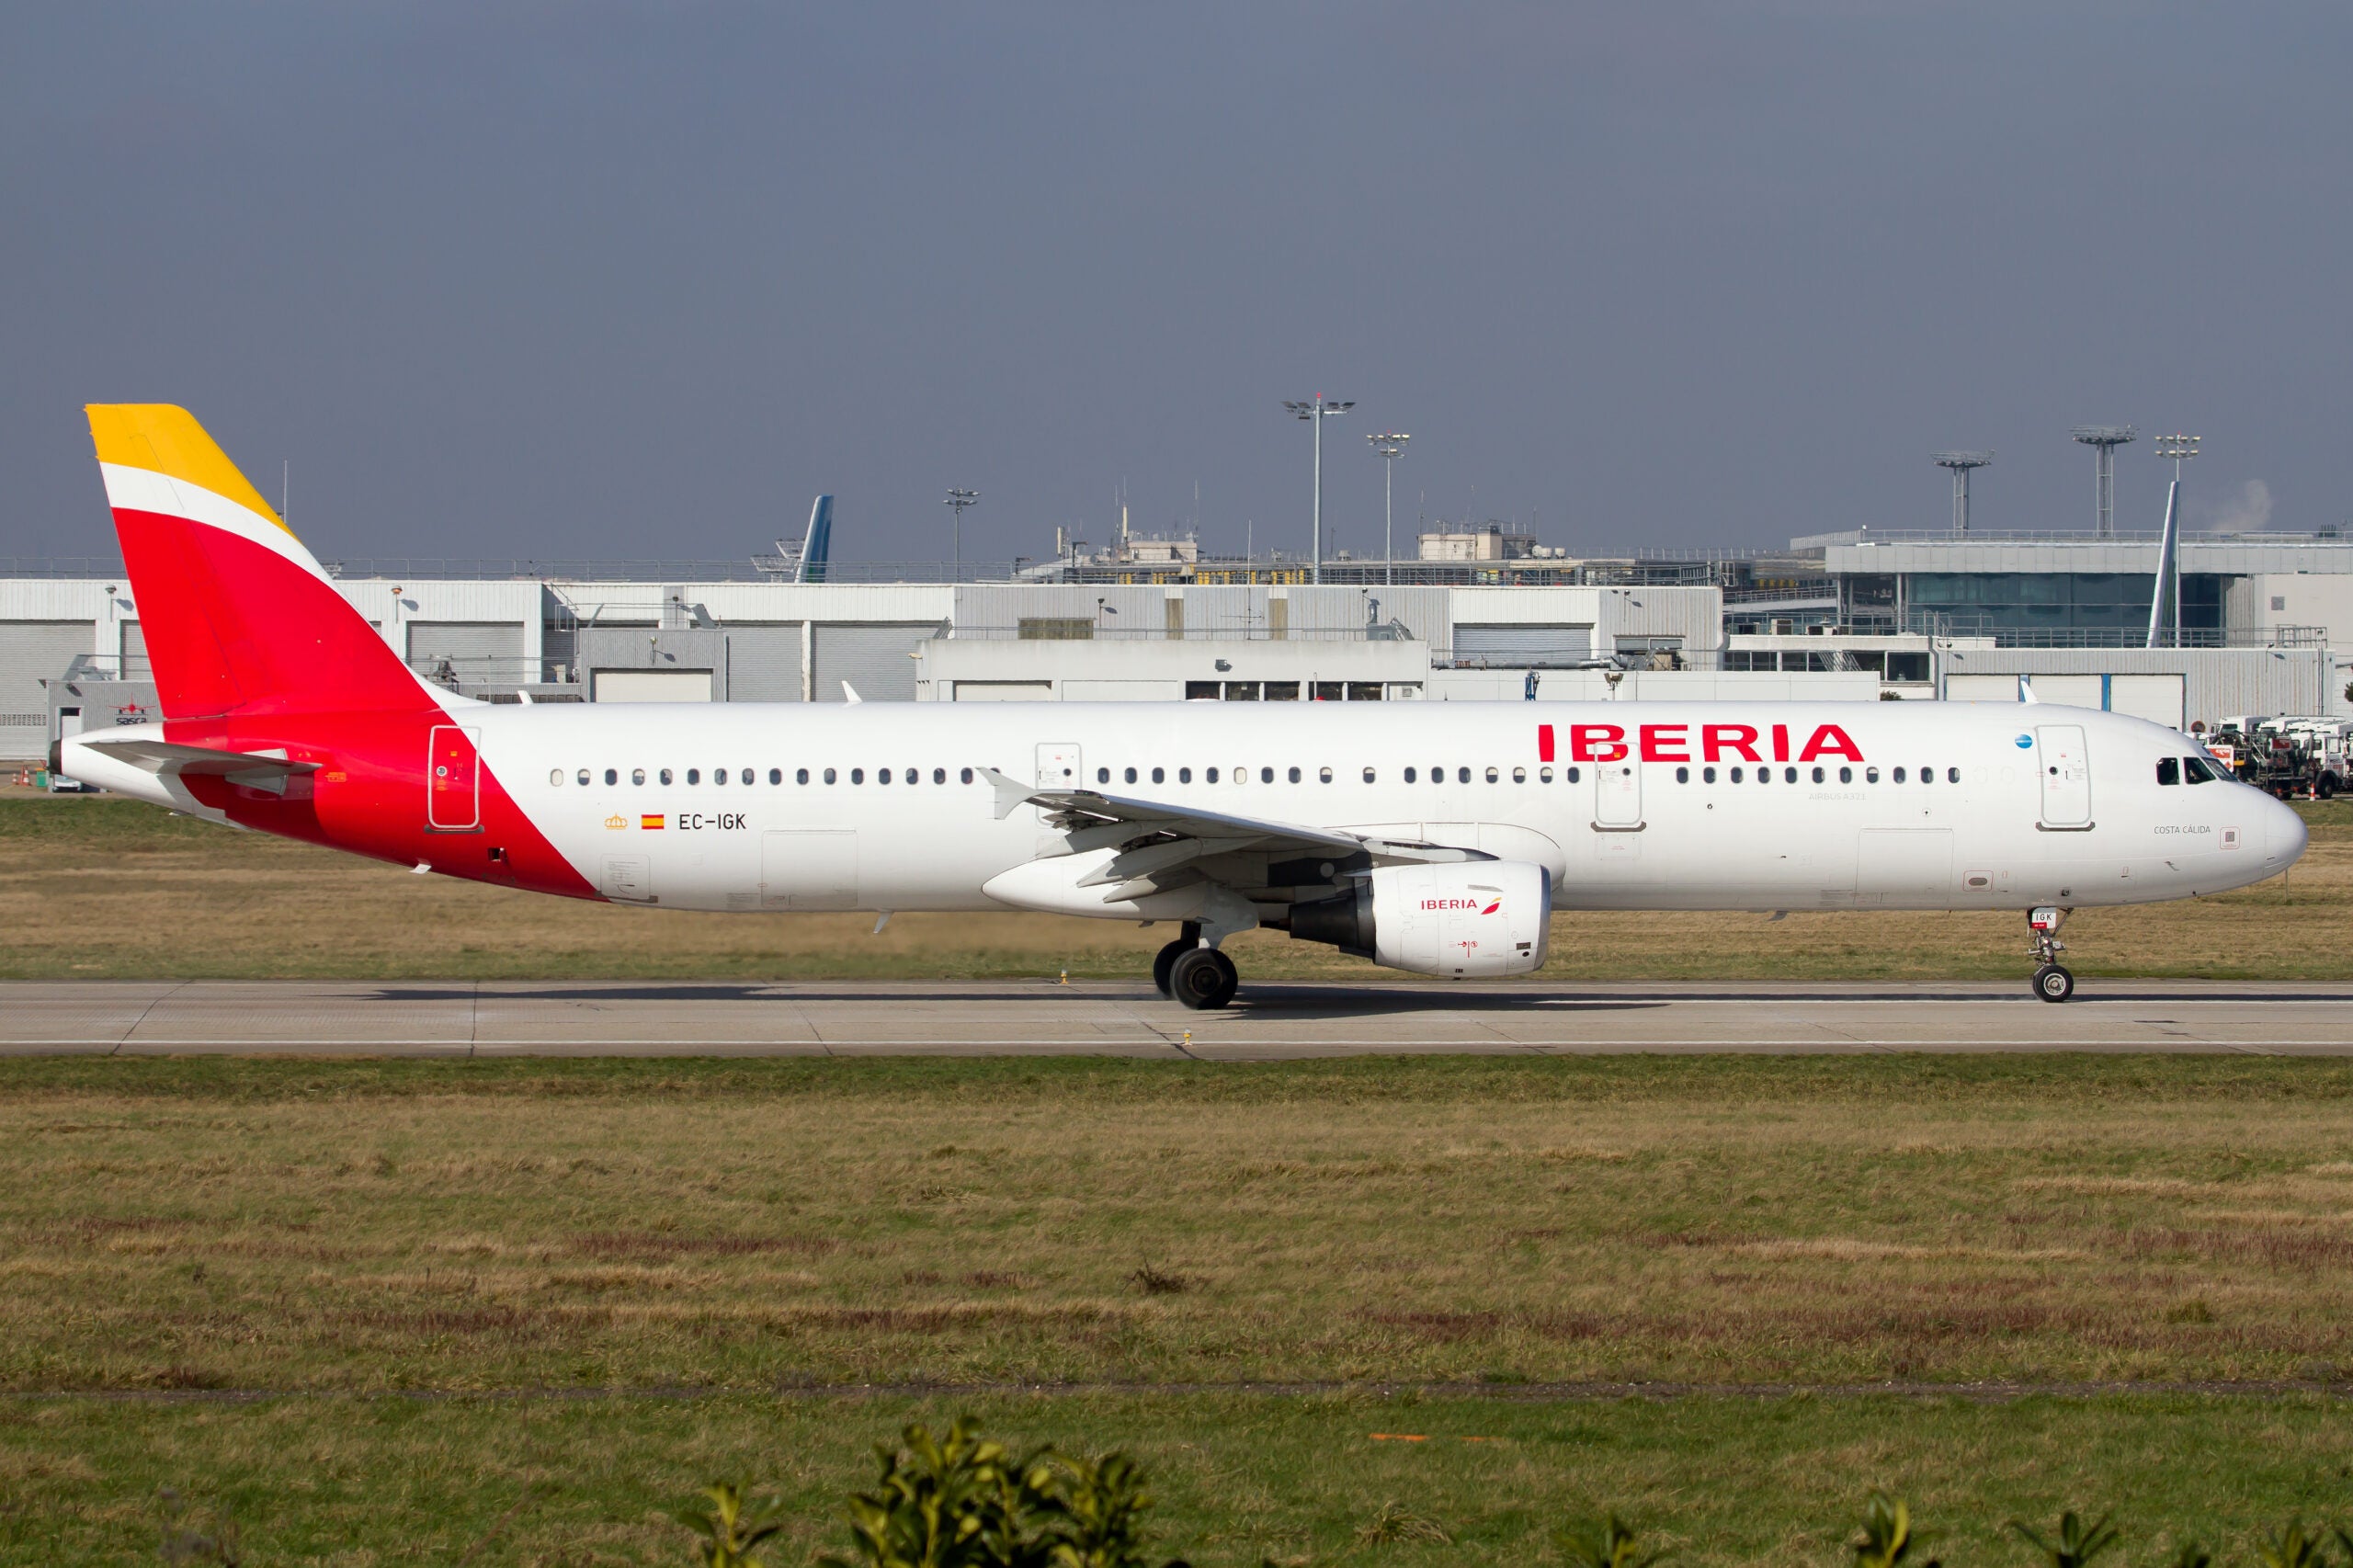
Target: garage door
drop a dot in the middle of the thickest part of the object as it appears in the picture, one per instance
(32, 651)
(476, 650)
(1001, 691)
(650, 686)
(2157, 699)
(1981, 689)
(1554, 646)
(764, 663)
(134, 653)
(2072, 691)
(874, 659)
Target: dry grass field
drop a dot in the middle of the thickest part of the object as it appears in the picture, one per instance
(431, 1263)
(186, 1224)
(110, 888)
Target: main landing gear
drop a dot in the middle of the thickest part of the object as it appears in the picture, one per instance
(1192, 975)
(2051, 981)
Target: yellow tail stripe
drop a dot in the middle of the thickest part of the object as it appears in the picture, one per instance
(168, 440)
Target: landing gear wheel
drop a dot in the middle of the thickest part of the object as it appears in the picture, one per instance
(1165, 959)
(2054, 984)
(1202, 980)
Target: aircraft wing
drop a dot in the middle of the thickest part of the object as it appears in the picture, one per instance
(1159, 843)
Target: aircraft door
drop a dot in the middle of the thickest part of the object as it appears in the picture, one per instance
(2066, 775)
(1618, 795)
(453, 780)
(1059, 766)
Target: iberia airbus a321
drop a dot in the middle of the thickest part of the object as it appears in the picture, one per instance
(1437, 838)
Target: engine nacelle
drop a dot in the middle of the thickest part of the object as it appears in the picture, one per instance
(1464, 918)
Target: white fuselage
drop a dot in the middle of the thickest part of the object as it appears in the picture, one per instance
(1998, 807)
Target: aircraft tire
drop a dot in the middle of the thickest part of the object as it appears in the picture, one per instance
(1202, 980)
(1165, 959)
(2054, 984)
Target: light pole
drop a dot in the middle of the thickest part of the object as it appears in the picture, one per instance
(1391, 445)
(957, 501)
(1315, 411)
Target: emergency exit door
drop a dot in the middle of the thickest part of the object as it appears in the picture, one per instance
(2066, 775)
(1059, 766)
(1618, 796)
(453, 780)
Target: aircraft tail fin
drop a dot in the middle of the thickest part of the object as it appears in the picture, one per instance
(236, 615)
(817, 544)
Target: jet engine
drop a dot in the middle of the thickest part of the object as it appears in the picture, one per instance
(1465, 919)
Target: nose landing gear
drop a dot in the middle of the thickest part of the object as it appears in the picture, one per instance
(2053, 982)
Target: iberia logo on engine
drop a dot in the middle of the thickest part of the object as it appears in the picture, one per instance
(1470, 903)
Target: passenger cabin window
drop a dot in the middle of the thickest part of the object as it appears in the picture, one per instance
(1492, 777)
(1409, 776)
(584, 776)
(1952, 775)
(1462, 776)
(1846, 776)
(1184, 775)
(1571, 775)
(1545, 775)
(967, 774)
(694, 776)
(1130, 775)
(612, 776)
(1369, 775)
(1102, 776)
(1897, 775)
(857, 776)
(829, 776)
(1159, 776)
(775, 774)
(1818, 776)
(1870, 775)
(1683, 776)
(940, 776)
(1209, 774)
(800, 776)
(555, 777)
(636, 776)
(1707, 775)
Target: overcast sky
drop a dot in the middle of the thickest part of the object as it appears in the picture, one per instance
(566, 280)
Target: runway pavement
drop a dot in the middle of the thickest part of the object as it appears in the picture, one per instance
(1269, 1021)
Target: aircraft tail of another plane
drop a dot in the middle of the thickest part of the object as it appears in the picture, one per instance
(238, 618)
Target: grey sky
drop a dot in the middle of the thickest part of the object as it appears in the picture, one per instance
(567, 280)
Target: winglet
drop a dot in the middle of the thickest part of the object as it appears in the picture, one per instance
(1010, 792)
(850, 693)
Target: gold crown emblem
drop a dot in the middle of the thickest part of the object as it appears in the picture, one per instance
(617, 823)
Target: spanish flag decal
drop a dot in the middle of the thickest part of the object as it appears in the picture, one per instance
(651, 820)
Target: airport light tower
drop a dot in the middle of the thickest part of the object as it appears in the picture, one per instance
(957, 501)
(2103, 439)
(1315, 411)
(1960, 463)
(1391, 445)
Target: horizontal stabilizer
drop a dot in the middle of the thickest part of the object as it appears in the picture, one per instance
(151, 753)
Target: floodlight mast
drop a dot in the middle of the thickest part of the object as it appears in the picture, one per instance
(957, 501)
(2104, 439)
(1391, 445)
(1960, 463)
(1315, 411)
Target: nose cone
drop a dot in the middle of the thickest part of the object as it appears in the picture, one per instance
(2284, 834)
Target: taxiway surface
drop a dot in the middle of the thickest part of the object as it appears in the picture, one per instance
(1269, 1021)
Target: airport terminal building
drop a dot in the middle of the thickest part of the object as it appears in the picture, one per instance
(1853, 617)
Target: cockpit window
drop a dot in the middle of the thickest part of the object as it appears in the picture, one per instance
(2168, 770)
(2197, 770)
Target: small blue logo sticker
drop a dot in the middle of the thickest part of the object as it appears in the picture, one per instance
(2025, 741)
